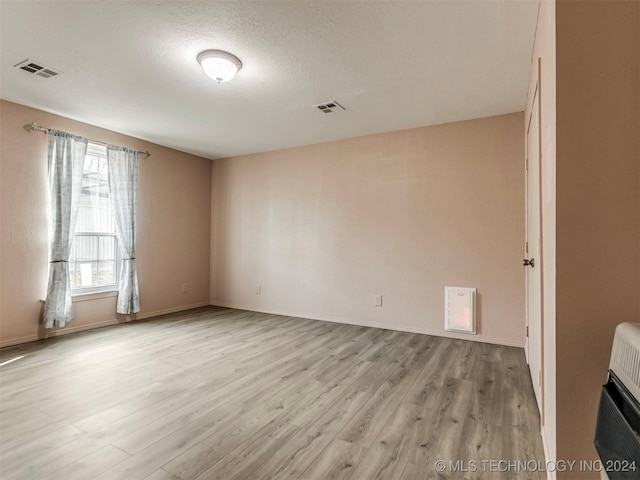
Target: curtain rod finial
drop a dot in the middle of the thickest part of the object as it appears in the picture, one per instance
(30, 127)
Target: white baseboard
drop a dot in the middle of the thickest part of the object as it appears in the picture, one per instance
(51, 333)
(386, 326)
(141, 316)
(325, 318)
(18, 341)
(551, 475)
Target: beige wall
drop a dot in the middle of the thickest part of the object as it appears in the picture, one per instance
(325, 228)
(598, 204)
(173, 221)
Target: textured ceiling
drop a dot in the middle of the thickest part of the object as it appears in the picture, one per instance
(130, 66)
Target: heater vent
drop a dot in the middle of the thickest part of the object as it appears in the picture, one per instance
(329, 107)
(37, 68)
(625, 356)
(460, 309)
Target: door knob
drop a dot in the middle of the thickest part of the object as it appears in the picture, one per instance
(528, 263)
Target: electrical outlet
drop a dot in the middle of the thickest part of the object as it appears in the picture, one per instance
(184, 287)
(258, 289)
(378, 301)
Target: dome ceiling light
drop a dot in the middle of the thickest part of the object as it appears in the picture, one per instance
(219, 65)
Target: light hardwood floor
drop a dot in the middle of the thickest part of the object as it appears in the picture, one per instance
(216, 393)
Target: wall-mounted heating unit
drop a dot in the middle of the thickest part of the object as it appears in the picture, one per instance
(618, 426)
(460, 309)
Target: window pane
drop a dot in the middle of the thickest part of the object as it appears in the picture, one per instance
(95, 261)
(86, 248)
(94, 214)
(107, 248)
(107, 272)
(88, 273)
(93, 258)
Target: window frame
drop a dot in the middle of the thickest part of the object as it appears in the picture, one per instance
(100, 151)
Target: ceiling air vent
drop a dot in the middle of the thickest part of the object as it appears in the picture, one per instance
(36, 68)
(329, 107)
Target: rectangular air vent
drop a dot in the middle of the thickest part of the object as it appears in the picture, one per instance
(329, 107)
(37, 68)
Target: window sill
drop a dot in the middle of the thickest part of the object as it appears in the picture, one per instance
(83, 297)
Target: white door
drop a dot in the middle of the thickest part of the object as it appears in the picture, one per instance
(533, 251)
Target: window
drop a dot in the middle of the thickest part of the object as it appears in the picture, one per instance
(93, 263)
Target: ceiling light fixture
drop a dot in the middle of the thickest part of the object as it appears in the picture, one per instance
(219, 65)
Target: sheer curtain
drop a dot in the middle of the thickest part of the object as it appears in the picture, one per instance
(65, 156)
(123, 190)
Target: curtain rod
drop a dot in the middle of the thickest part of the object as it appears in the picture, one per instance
(33, 127)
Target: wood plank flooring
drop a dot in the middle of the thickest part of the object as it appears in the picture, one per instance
(220, 394)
